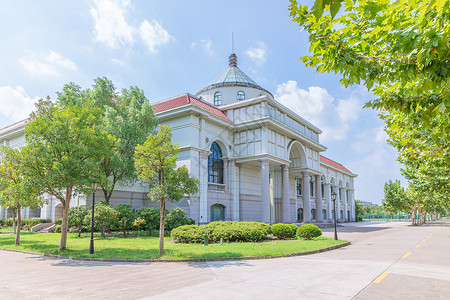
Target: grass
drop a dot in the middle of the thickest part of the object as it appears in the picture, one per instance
(145, 247)
(6, 229)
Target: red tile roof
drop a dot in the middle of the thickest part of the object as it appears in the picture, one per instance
(188, 99)
(333, 163)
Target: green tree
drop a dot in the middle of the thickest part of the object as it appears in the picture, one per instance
(155, 162)
(66, 151)
(126, 115)
(16, 189)
(76, 217)
(125, 217)
(151, 216)
(177, 217)
(395, 198)
(104, 217)
(359, 211)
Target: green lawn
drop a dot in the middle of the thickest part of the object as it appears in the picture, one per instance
(6, 229)
(147, 247)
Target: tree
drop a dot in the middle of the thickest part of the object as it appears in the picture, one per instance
(155, 162)
(76, 217)
(359, 211)
(395, 198)
(16, 189)
(66, 151)
(125, 217)
(126, 115)
(104, 217)
(397, 49)
(151, 216)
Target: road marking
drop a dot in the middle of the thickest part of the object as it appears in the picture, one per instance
(418, 245)
(406, 255)
(428, 236)
(424, 240)
(381, 277)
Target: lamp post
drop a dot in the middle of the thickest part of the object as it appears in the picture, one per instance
(91, 246)
(333, 198)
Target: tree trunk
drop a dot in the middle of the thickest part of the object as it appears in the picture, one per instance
(106, 195)
(161, 226)
(14, 221)
(64, 225)
(19, 225)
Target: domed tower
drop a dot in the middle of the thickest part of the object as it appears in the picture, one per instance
(231, 86)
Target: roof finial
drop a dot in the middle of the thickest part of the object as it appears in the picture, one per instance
(232, 42)
(232, 60)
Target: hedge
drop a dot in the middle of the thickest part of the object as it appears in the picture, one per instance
(228, 231)
(309, 231)
(284, 231)
(26, 223)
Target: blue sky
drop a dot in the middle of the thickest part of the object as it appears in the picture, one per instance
(167, 48)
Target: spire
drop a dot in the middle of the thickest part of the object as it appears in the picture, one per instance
(232, 60)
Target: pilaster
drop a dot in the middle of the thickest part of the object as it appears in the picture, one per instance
(306, 198)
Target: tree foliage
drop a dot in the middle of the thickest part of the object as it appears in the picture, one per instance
(76, 217)
(17, 190)
(397, 49)
(125, 217)
(127, 115)
(104, 217)
(395, 198)
(66, 150)
(155, 162)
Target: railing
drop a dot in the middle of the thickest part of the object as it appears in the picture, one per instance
(217, 187)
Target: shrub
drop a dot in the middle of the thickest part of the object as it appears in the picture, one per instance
(229, 231)
(309, 231)
(76, 218)
(104, 217)
(125, 217)
(58, 222)
(176, 218)
(151, 216)
(284, 231)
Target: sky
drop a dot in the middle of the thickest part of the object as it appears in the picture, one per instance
(168, 48)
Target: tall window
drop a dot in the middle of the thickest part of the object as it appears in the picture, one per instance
(240, 96)
(218, 98)
(324, 214)
(217, 212)
(215, 164)
(311, 186)
(323, 189)
(299, 185)
(313, 214)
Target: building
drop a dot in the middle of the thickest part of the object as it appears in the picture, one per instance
(256, 159)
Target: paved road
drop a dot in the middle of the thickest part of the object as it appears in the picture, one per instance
(385, 261)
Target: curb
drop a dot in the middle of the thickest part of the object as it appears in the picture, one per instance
(181, 260)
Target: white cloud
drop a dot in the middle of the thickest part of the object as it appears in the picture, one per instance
(258, 53)
(110, 24)
(15, 104)
(204, 45)
(117, 62)
(47, 64)
(153, 35)
(318, 107)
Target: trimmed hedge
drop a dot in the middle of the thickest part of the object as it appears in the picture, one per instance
(26, 223)
(309, 231)
(284, 231)
(229, 231)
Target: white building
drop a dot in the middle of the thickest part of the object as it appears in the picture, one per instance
(256, 159)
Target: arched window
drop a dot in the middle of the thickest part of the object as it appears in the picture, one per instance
(324, 214)
(217, 212)
(313, 214)
(215, 164)
(240, 96)
(218, 98)
(341, 214)
(300, 215)
(323, 188)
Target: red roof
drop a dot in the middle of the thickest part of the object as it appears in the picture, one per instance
(333, 163)
(188, 99)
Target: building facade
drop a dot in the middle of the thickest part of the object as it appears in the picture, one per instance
(255, 158)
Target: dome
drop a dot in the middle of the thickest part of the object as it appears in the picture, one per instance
(233, 77)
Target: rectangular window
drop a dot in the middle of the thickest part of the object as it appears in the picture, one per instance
(299, 185)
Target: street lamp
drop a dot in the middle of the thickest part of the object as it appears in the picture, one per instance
(333, 198)
(91, 246)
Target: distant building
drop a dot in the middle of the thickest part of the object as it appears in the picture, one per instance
(256, 159)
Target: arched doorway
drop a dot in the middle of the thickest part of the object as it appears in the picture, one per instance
(217, 212)
(313, 214)
(300, 215)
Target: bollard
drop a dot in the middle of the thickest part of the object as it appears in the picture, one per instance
(221, 241)
(206, 240)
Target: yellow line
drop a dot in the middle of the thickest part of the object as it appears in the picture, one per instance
(418, 245)
(428, 236)
(406, 255)
(424, 240)
(381, 277)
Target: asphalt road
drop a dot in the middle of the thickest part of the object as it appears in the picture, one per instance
(385, 261)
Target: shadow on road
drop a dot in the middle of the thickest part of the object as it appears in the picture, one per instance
(356, 229)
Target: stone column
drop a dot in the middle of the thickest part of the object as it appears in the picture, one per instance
(352, 205)
(286, 201)
(319, 207)
(265, 191)
(344, 199)
(225, 175)
(329, 204)
(338, 205)
(306, 198)
(234, 171)
(203, 188)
